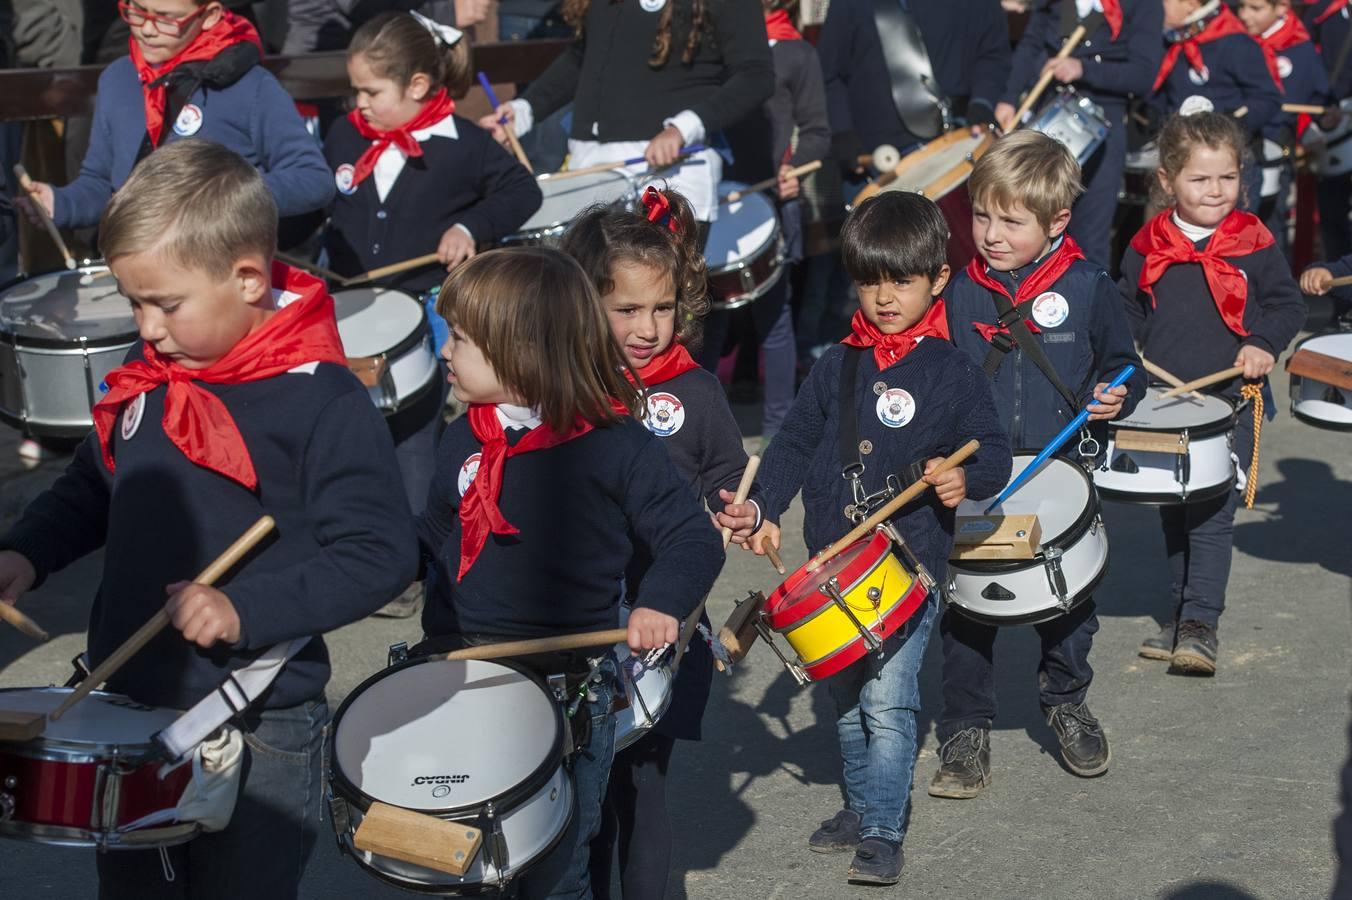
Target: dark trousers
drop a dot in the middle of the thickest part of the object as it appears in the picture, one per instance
(1199, 539)
(1091, 221)
(634, 818)
(263, 852)
(1063, 671)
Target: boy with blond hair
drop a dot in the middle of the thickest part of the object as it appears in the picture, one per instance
(1048, 329)
(237, 401)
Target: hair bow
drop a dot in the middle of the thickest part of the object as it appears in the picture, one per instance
(659, 206)
(443, 33)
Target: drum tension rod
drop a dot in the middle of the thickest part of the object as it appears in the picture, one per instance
(794, 669)
(832, 590)
(1056, 578)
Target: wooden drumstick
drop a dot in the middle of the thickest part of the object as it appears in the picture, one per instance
(1164, 375)
(795, 172)
(689, 150)
(507, 127)
(208, 576)
(27, 184)
(579, 641)
(295, 263)
(416, 262)
(1309, 109)
(1066, 49)
(1342, 281)
(896, 503)
(1205, 381)
(23, 623)
(773, 556)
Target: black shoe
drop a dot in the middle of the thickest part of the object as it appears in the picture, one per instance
(837, 834)
(964, 765)
(1084, 746)
(1195, 652)
(1160, 646)
(877, 861)
(406, 605)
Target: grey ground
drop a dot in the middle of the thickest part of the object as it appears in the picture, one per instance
(1219, 788)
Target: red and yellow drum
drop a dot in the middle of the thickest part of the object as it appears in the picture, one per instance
(834, 616)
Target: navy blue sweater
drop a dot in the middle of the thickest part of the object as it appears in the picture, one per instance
(1304, 80)
(951, 404)
(1235, 75)
(1330, 35)
(1090, 345)
(343, 545)
(1184, 333)
(968, 45)
(468, 180)
(580, 508)
(1114, 70)
(254, 117)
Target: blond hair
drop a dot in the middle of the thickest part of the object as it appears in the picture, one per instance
(1030, 168)
(536, 317)
(200, 204)
(1181, 135)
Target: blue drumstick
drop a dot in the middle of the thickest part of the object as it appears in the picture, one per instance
(685, 151)
(1055, 443)
(488, 90)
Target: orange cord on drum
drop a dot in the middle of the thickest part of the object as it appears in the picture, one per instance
(1253, 393)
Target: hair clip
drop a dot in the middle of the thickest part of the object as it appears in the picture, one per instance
(659, 206)
(443, 33)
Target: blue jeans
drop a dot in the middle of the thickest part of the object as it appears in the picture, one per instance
(564, 874)
(876, 703)
(263, 852)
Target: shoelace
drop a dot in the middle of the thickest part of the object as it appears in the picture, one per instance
(1191, 629)
(1075, 719)
(963, 746)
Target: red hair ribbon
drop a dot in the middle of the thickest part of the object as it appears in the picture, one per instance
(659, 206)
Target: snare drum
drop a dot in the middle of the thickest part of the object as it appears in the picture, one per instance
(1169, 451)
(89, 774)
(469, 741)
(567, 198)
(934, 169)
(1321, 381)
(388, 344)
(833, 616)
(1330, 152)
(744, 252)
(646, 696)
(1069, 564)
(1075, 121)
(60, 335)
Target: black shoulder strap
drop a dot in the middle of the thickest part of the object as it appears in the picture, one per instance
(915, 92)
(1014, 318)
(847, 445)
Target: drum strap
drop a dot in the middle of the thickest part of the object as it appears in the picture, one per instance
(916, 94)
(1013, 319)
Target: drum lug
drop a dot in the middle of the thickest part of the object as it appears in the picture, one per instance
(1183, 466)
(794, 669)
(341, 817)
(397, 654)
(7, 801)
(921, 573)
(832, 590)
(1056, 579)
(89, 372)
(495, 842)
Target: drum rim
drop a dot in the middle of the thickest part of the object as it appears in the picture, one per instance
(1210, 428)
(1037, 617)
(507, 801)
(1317, 422)
(408, 342)
(86, 267)
(754, 256)
(746, 298)
(854, 568)
(54, 749)
(168, 835)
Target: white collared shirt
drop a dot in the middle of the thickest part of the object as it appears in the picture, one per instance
(391, 161)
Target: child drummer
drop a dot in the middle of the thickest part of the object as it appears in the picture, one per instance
(236, 401)
(892, 399)
(1047, 325)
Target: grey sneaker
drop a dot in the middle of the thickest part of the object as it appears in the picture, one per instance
(1160, 646)
(1195, 652)
(964, 765)
(837, 834)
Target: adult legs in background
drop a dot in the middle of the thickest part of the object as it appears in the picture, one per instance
(635, 819)
(1091, 221)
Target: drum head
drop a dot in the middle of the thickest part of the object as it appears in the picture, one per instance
(372, 321)
(929, 164)
(100, 720)
(1177, 413)
(743, 228)
(445, 735)
(64, 307)
(1059, 495)
(565, 198)
(1338, 346)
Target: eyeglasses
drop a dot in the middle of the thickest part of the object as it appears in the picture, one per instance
(169, 27)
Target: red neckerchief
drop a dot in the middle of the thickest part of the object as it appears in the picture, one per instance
(890, 348)
(1332, 9)
(196, 420)
(230, 30)
(1041, 279)
(433, 111)
(779, 27)
(479, 512)
(1112, 14)
(1224, 24)
(673, 361)
(1162, 244)
(1291, 32)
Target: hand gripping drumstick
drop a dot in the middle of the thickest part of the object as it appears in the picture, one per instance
(27, 184)
(416, 262)
(1341, 281)
(606, 167)
(146, 632)
(22, 622)
(891, 507)
(507, 128)
(1066, 49)
(558, 642)
(1222, 375)
(795, 172)
(1164, 375)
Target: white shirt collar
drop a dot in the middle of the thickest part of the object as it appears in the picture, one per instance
(1192, 232)
(392, 159)
(1084, 7)
(512, 416)
(1275, 27)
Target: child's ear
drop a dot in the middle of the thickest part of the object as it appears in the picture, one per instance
(419, 86)
(212, 16)
(253, 277)
(1058, 224)
(1165, 186)
(940, 281)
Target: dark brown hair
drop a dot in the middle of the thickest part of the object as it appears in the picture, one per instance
(397, 47)
(535, 315)
(1182, 135)
(575, 13)
(603, 237)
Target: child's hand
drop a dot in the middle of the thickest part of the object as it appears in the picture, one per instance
(456, 246)
(1004, 115)
(492, 123)
(470, 12)
(740, 517)
(788, 185)
(203, 614)
(1256, 361)
(16, 576)
(1064, 70)
(1316, 281)
(1107, 401)
(649, 628)
(951, 486)
(664, 149)
(41, 192)
(769, 531)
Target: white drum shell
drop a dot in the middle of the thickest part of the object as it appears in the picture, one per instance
(651, 686)
(1316, 402)
(1159, 477)
(744, 252)
(1077, 122)
(1083, 560)
(567, 198)
(384, 322)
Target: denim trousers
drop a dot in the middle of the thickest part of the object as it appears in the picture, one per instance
(876, 704)
(263, 851)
